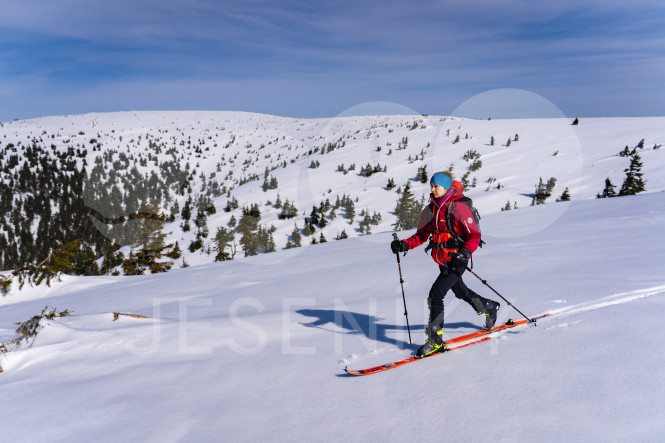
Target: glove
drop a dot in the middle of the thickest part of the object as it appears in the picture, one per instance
(460, 261)
(398, 246)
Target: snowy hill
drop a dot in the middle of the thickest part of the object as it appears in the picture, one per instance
(254, 348)
(173, 157)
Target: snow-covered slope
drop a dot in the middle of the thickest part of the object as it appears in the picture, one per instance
(226, 154)
(254, 349)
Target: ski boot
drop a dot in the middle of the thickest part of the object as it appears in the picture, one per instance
(490, 315)
(434, 342)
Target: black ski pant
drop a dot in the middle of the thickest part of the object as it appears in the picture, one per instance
(446, 281)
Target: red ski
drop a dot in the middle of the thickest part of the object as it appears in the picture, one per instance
(451, 344)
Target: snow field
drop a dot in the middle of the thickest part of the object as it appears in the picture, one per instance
(254, 349)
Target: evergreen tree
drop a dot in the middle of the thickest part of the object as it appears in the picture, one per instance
(543, 191)
(349, 209)
(112, 259)
(608, 191)
(223, 240)
(421, 176)
(296, 237)
(633, 183)
(314, 217)
(266, 239)
(288, 211)
(187, 210)
(61, 259)
(148, 246)
(407, 210)
(307, 230)
(565, 197)
(248, 228)
(465, 179)
(175, 253)
(85, 260)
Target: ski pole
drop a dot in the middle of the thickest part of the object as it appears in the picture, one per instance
(493, 290)
(401, 282)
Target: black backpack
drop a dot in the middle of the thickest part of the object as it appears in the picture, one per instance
(474, 212)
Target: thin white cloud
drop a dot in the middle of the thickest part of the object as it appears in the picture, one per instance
(427, 54)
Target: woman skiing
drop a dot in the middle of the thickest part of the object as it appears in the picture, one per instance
(454, 237)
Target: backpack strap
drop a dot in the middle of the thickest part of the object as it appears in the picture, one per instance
(450, 226)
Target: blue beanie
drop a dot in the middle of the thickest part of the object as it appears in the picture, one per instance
(441, 180)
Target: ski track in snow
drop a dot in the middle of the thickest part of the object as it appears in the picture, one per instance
(612, 300)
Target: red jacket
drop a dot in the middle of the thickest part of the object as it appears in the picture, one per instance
(433, 223)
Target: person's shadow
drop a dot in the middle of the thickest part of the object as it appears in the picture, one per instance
(369, 326)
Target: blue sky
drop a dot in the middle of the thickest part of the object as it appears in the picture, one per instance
(587, 58)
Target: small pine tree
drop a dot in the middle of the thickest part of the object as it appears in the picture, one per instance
(608, 191)
(492, 141)
(266, 239)
(349, 209)
(543, 191)
(149, 243)
(565, 197)
(626, 152)
(633, 183)
(296, 237)
(223, 239)
(187, 210)
(465, 179)
(248, 228)
(288, 211)
(421, 176)
(62, 259)
(407, 210)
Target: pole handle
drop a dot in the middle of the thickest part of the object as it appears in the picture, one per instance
(401, 282)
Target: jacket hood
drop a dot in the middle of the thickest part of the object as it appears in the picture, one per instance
(458, 190)
(455, 192)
